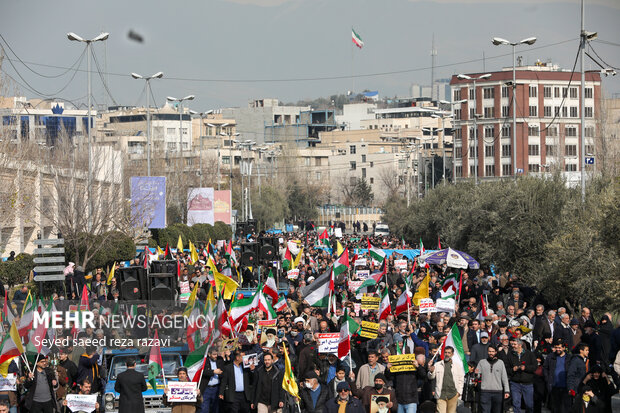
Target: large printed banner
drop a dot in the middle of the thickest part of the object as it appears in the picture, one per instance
(223, 206)
(200, 206)
(148, 201)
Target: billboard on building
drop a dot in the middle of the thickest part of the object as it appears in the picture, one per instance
(148, 201)
(200, 206)
(223, 206)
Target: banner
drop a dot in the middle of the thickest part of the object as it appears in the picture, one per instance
(82, 402)
(427, 305)
(362, 274)
(370, 302)
(328, 342)
(361, 262)
(369, 330)
(445, 305)
(200, 208)
(148, 201)
(182, 391)
(223, 206)
(292, 274)
(402, 362)
(400, 264)
(8, 383)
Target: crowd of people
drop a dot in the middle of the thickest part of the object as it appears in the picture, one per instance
(521, 352)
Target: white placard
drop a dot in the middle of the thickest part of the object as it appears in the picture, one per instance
(292, 274)
(82, 402)
(328, 342)
(357, 307)
(181, 391)
(362, 274)
(338, 232)
(354, 285)
(8, 383)
(400, 264)
(427, 305)
(445, 305)
(361, 262)
(250, 359)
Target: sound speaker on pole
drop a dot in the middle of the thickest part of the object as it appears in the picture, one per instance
(162, 287)
(132, 283)
(164, 266)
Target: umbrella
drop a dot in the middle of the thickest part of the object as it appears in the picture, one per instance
(453, 258)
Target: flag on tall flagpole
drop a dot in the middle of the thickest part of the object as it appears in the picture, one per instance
(180, 245)
(195, 362)
(357, 40)
(423, 289)
(376, 253)
(281, 305)
(342, 262)
(111, 275)
(438, 242)
(324, 238)
(483, 310)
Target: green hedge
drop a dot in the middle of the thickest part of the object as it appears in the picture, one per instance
(16, 272)
(197, 233)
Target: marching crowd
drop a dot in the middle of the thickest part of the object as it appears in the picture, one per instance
(501, 348)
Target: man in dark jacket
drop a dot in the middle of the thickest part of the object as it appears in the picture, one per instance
(129, 385)
(480, 351)
(555, 369)
(313, 395)
(268, 391)
(577, 369)
(65, 362)
(41, 385)
(521, 365)
(344, 396)
(236, 385)
(405, 383)
(88, 368)
(210, 383)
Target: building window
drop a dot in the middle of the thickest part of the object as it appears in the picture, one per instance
(352, 149)
(506, 131)
(458, 152)
(169, 131)
(505, 111)
(472, 170)
(172, 146)
(533, 91)
(489, 151)
(570, 131)
(488, 92)
(588, 93)
(189, 161)
(589, 149)
(547, 110)
(589, 131)
(458, 171)
(533, 110)
(505, 91)
(457, 94)
(489, 131)
(184, 131)
(550, 150)
(226, 160)
(472, 150)
(564, 92)
(533, 131)
(533, 167)
(472, 112)
(489, 113)
(589, 111)
(471, 94)
(489, 170)
(363, 158)
(570, 167)
(564, 112)
(556, 92)
(552, 131)
(573, 93)
(317, 161)
(573, 112)
(533, 150)
(353, 165)
(506, 170)
(506, 152)
(570, 150)
(363, 173)
(457, 113)
(547, 91)
(372, 181)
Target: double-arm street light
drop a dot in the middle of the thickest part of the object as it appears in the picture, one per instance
(180, 107)
(75, 38)
(474, 79)
(148, 79)
(498, 41)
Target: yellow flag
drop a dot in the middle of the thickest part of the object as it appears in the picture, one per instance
(339, 249)
(222, 281)
(193, 254)
(298, 258)
(289, 384)
(180, 244)
(190, 301)
(422, 291)
(111, 275)
(159, 251)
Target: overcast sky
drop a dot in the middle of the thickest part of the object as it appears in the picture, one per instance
(216, 41)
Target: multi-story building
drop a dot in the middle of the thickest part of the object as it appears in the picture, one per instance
(354, 113)
(548, 121)
(304, 131)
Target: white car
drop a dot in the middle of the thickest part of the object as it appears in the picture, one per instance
(382, 229)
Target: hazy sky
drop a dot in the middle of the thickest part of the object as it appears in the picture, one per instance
(214, 41)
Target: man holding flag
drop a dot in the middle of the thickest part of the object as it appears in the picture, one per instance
(449, 378)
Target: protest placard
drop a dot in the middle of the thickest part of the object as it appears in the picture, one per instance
(264, 323)
(361, 262)
(292, 274)
(379, 402)
(185, 291)
(82, 402)
(369, 330)
(250, 360)
(362, 274)
(8, 383)
(354, 285)
(181, 391)
(370, 302)
(328, 342)
(400, 264)
(402, 362)
(427, 305)
(357, 307)
(445, 305)
(338, 232)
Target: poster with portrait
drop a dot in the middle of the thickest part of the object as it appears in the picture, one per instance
(379, 403)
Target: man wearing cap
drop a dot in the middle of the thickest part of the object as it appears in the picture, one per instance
(268, 392)
(555, 372)
(379, 389)
(183, 407)
(521, 365)
(41, 385)
(479, 351)
(313, 395)
(344, 398)
(210, 382)
(68, 365)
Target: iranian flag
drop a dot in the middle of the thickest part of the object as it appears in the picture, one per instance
(342, 263)
(317, 293)
(264, 304)
(384, 306)
(449, 287)
(240, 308)
(195, 362)
(404, 301)
(7, 314)
(324, 238)
(376, 253)
(483, 310)
(453, 339)
(222, 317)
(281, 305)
(422, 250)
(156, 364)
(357, 40)
(271, 290)
(349, 327)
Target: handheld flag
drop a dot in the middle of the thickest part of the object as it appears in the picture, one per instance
(289, 384)
(156, 364)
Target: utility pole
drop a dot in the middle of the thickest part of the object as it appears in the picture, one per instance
(582, 154)
(433, 54)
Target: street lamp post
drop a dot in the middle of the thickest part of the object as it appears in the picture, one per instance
(230, 159)
(173, 99)
(75, 38)
(443, 143)
(497, 41)
(474, 79)
(148, 79)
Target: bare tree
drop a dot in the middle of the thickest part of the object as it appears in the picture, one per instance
(390, 180)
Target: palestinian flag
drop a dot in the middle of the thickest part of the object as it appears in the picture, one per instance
(483, 310)
(384, 306)
(289, 262)
(230, 254)
(156, 364)
(264, 304)
(281, 305)
(195, 362)
(222, 318)
(7, 314)
(271, 290)
(240, 308)
(349, 327)
(342, 263)
(324, 238)
(357, 40)
(404, 301)
(374, 279)
(453, 339)
(11, 348)
(317, 293)
(167, 253)
(438, 242)
(376, 253)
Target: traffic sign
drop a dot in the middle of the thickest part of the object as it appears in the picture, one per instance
(49, 277)
(589, 160)
(49, 268)
(48, 260)
(41, 251)
(51, 241)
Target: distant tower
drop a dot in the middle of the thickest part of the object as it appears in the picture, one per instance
(433, 54)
